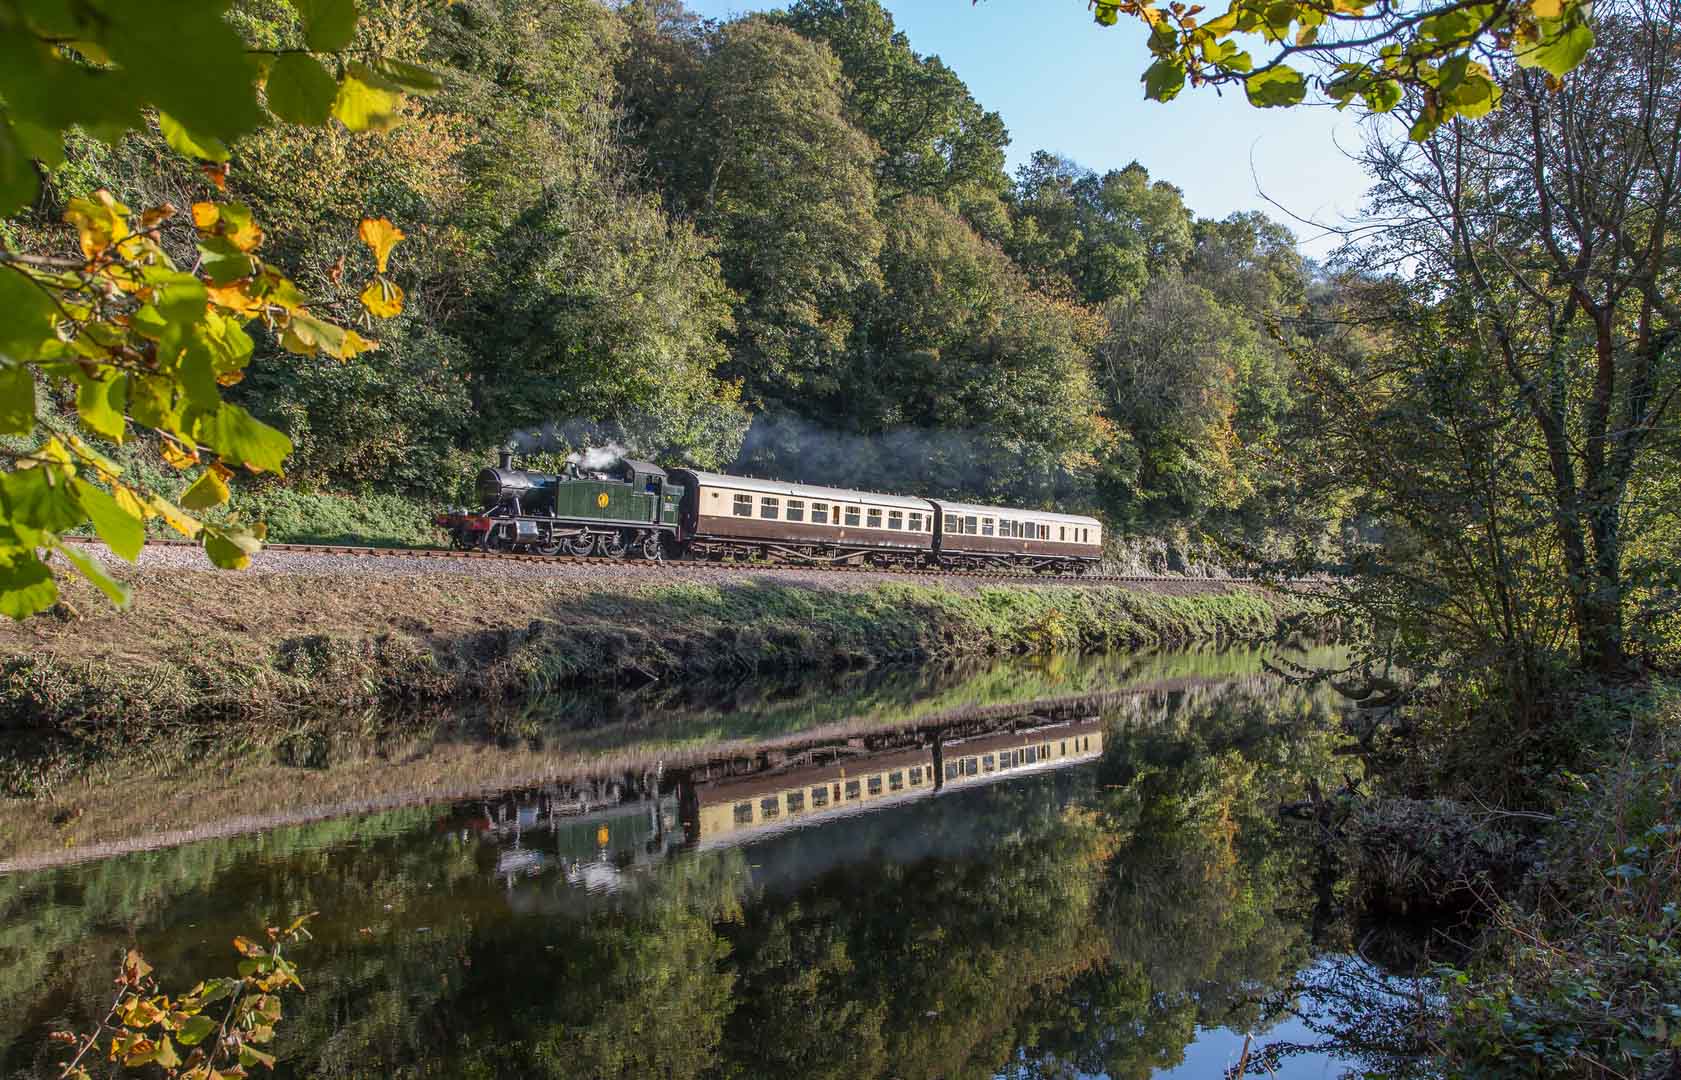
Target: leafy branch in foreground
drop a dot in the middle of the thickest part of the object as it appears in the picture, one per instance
(1373, 51)
(146, 1027)
(135, 338)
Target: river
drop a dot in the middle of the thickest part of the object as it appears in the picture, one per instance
(1067, 868)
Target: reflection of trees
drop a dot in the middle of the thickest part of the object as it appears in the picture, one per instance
(1196, 904)
(1072, 922)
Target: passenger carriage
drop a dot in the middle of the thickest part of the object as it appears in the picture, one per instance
(735, 515)
(966, 534)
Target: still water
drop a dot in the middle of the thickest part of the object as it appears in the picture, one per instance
(1064, 869)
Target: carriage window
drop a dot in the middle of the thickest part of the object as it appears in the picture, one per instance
(852, 789)
(769, 808)
(852, 515)
(1062, 532)
(743, 813)
(952, 770)
(971, 766)
(916, 522)
(796, 801)
(874, 517)
(969, 525)
(895, 781)
(1007, 759)
(1030, 755)
(916, 775)
(986, 526)
(820, 796)
(1044, 532)
(744, 506)
(796, 510)
(769, 508)
(986, 763)
(875, 784)
(895, 519)
(1065, 746)
(820, 513)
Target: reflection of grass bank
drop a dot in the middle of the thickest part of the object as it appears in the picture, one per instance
(202, 648)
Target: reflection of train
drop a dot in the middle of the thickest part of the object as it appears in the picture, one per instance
(733, 808)
(636, 507)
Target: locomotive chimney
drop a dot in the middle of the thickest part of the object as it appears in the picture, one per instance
(505, 459)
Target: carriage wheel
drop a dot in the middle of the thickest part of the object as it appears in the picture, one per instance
(582, 544)
(652, 548)
(613, 546)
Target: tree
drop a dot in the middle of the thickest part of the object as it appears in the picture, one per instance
(135, 340)
(935, 139)
(1550, 230)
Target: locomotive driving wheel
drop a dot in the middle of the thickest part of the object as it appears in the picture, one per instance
(582, 544)
(613, 546)
(652, 549)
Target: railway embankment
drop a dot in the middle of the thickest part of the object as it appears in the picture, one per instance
(199, 647)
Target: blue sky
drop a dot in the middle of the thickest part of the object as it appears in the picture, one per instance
(1064, 84)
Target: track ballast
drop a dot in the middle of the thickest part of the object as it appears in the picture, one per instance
(744, 566)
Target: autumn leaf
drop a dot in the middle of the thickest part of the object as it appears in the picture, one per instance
(382, 298)
(380, 235)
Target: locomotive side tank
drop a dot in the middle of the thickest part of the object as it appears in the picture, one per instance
(630, 507)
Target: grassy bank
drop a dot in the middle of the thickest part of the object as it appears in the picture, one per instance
(201, 646)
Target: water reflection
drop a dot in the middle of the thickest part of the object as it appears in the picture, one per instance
(1064, 891)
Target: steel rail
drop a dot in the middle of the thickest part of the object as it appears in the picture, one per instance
(746, 566)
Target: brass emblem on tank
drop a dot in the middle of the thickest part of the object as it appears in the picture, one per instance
(601, 500)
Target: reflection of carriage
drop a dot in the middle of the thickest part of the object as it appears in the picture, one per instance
(803, 791)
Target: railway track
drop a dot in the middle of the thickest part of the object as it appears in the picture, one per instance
(745, 566)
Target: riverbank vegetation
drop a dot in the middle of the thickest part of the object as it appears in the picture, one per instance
(280, 648)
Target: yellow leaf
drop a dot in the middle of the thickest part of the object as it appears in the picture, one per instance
(382, 298)
(235, 299)
(380, 235)
(206, 215)
(131, 503)
(355, 343)
(178, 455)
(240, 227)
(1546, 9)
(178, 519)
(100, 221)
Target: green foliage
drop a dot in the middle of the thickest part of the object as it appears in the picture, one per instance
(145, 1027)
(1584, 967)
(1362, 50)
(137, 340)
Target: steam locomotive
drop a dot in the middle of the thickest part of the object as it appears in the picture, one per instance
(637, 508)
